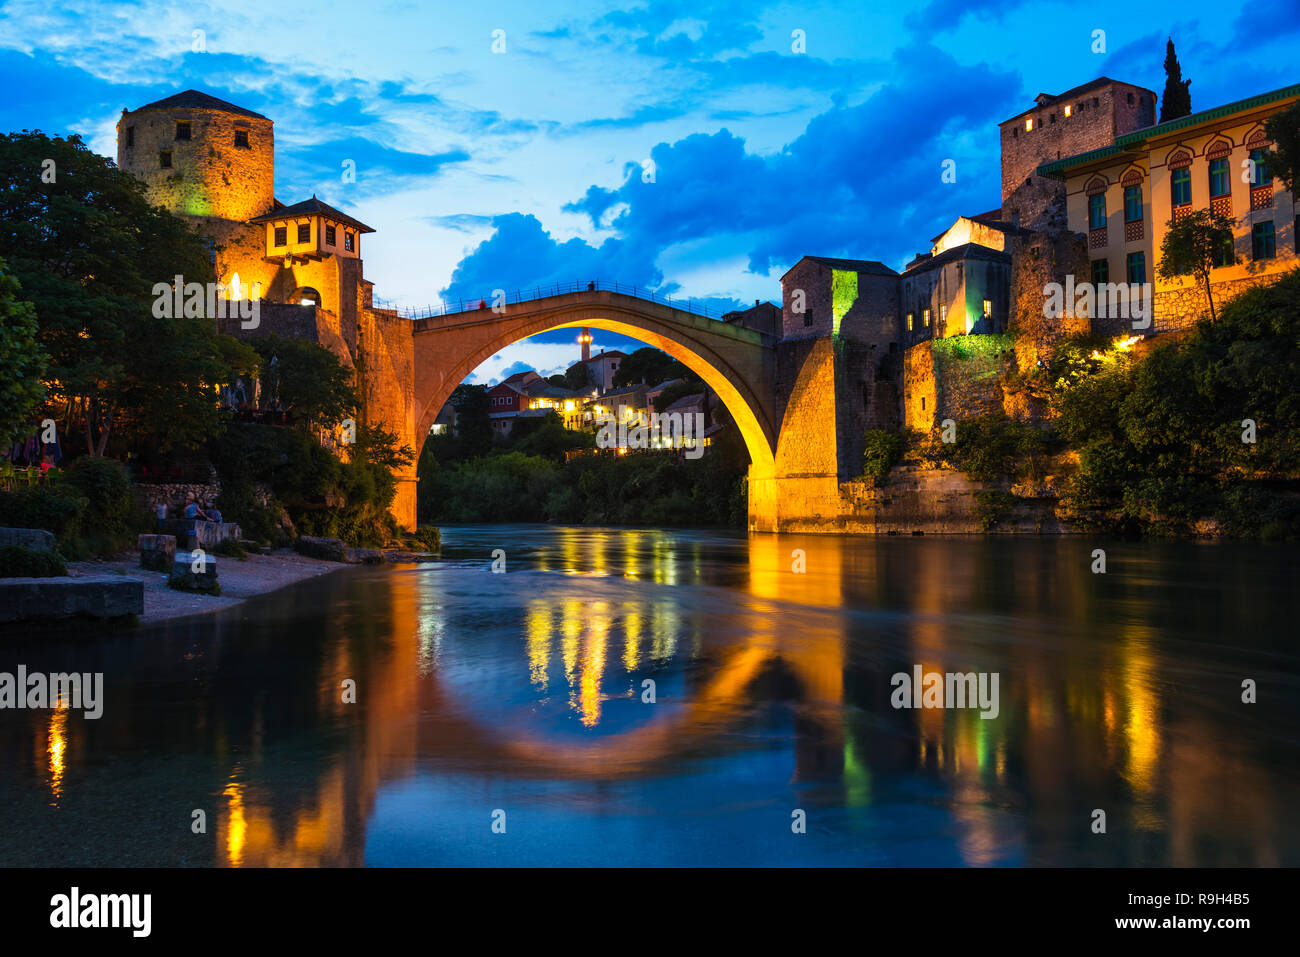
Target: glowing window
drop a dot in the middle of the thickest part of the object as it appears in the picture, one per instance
(1029, 125)
(1069, 110)
(925, 317)
(988, 308)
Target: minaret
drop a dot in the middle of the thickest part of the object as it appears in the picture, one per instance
(585, 339)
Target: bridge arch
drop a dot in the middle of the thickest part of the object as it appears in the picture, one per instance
(735, 362)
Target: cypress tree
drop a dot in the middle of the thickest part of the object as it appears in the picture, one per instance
(1177, 101)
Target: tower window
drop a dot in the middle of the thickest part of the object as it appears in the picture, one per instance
(304, 232)
(909, 322)
(329, 235)
(164, 159)
(182, 129)
(241, 139)
(349, 243)
(130, 136)
(1051, 118)
(1130, 99)
(1069, 110)
(925, 317)
(988, 308)
(1029, 125)
(281, 236)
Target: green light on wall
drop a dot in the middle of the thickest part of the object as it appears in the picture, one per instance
(844, 293)
(197, 206)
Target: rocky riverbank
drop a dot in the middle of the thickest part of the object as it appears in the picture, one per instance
(240, 580)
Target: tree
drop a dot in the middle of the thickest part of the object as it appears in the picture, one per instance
(88, 249)
(1283, 160)
(1177, 101)
(577, 377)
(1195, 244)
(22, 361)
(307, 378)
(650, 366)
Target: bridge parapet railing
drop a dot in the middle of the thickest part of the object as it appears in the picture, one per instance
(684, 304)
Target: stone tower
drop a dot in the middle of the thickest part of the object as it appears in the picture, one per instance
(1085, 118)
(200, 156)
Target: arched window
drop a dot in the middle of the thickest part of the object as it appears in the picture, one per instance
(306, 296)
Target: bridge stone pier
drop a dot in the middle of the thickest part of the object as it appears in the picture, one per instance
(794, 470)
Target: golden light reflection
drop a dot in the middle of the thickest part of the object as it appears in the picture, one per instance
(57, 748)
(538, 630)
(236, 825)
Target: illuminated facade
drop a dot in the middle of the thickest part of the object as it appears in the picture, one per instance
(1124, 195)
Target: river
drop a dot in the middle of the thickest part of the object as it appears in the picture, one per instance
(645, 697)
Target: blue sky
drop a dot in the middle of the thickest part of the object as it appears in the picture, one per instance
(483, 170)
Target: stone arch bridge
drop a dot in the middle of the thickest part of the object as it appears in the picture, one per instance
(790, 432)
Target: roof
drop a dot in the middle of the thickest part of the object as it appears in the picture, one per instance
(873, 266)
(964, 251)
(1047, 99)
(663, 385)
(196, 99)
(1132, 142)
(984, 220)
(687, 401)
(313, 207)
(612, 354)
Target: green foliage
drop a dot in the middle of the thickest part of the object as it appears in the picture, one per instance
(548, 438)
(54, 508)
(650, 366)
(307, 378)
(88, 251)
(991, 506)
(690, 386)
(17, 561)
(577, 377)
(989, 447)
(426, 537)
(1284, 158)
(322, 495)
(882, 452)
(112, 513)
(22, 361)
(652, 488)
(1161, 442)
(1177, 100)
(230, 548)
(1191, 245)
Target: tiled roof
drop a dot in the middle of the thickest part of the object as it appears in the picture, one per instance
(313, 207)
(195, 99)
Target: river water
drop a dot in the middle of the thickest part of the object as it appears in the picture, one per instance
(645, 697)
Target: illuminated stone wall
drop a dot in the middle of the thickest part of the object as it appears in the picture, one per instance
(210, 176)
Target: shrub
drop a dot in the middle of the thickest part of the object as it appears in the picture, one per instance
(883, 450)
(17, 561)
(55, 508)
(111, 509)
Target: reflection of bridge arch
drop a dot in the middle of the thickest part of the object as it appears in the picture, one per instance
(735, 362)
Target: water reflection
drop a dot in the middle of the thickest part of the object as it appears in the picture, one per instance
(686, 691)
